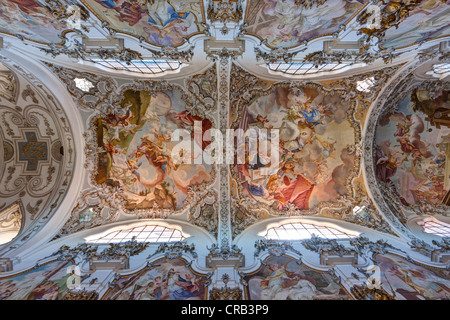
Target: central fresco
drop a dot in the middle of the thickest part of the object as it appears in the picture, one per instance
(315, 139)
(137, 144)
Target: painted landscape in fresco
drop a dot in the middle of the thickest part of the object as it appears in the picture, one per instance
(160, 22)
(138, 150)
(314, 146)
(285, 24)
(428, 21)
(282, 278)
(47, 282)
(413, 147)
(29, 19)
(166, 279)
(409, 281)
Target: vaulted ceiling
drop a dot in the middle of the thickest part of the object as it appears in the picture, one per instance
(92, 91)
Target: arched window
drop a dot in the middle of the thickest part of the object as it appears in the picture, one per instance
(434, 226)
(10, 223)
(300, 231)
(147, 233)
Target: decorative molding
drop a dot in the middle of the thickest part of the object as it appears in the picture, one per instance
(321, 57)
(362, 244)
(6, 265)
(274, 56)
(174, 250)
(124, 249)
(205, 213)
(275, 248)
(223, 252)
(330, 251)
(8, 86)
(440, 252)
(78, 51)
(84, 251)
(62, 11)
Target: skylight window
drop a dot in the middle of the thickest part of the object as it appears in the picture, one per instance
(148, 233)
(434, 226)
(147, 66)
(302, 68)
(300, 231)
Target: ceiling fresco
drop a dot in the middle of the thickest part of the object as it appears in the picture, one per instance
(138, 146)
(162, 23)
(36, 151)
(31, 20)
(319, 157)
(315, 139)
(411, 153)
(429, 20)
(286, 24)
(429, 284)
(159, 278)
(298, 282)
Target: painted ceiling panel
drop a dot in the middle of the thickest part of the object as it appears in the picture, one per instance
(31, 20)
(138, 146)
(412, 148)
(427, 21)
(160, 22)
(286, 24)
